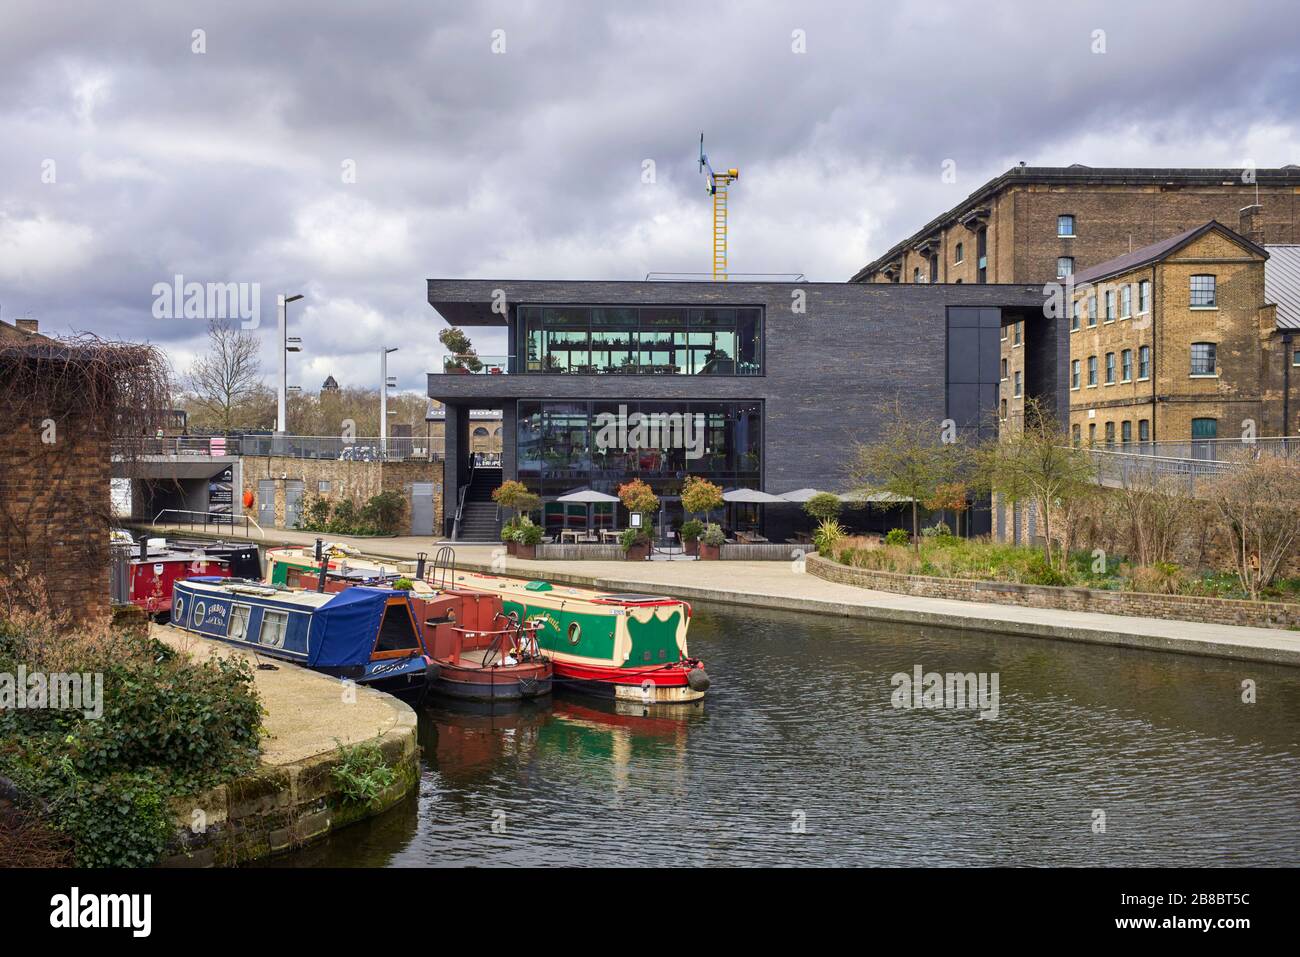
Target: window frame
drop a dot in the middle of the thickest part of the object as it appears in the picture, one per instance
(1060, 219)
(1214, 291)
(1214, 361)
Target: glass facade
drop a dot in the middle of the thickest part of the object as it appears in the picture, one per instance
(564, 446)
(630, 340)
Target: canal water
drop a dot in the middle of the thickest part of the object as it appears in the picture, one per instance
(798, 757)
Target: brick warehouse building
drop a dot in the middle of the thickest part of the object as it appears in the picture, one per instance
(1178, 341)
(787, 375)
(1033, 224)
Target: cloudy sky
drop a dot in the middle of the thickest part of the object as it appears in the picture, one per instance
(351, 151)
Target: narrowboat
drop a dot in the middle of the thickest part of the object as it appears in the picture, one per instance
(625, 647)
(481, 653)
(368, 635)
(155, 565)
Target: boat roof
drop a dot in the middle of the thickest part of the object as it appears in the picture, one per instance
(240, 588)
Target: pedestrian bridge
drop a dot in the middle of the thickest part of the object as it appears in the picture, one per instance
(1189, 467)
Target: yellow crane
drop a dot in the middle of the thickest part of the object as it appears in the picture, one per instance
(717, 185)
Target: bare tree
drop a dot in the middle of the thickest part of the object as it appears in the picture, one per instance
(228, 375)
(1259, 501)
(911, 460)
(1037, 464)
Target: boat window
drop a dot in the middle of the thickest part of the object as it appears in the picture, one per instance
(274, 626)
(238, 627)
(197, 616)
(180, 609)
(397, 632)
(575, 632)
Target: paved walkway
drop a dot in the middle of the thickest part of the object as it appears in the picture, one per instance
(306, 713)
(783, 585)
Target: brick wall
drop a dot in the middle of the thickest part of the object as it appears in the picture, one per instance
(54, 513)
(1219, 611)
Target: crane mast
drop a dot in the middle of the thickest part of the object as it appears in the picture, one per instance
(717, 187)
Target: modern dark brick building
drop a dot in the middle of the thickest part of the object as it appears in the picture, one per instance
(1034, 223)
(788, 376)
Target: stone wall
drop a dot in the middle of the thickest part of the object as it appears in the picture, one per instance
(282, 808)
(1220, 611)
(336, 479)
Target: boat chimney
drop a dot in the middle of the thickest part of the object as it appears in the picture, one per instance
(420, 558)
(319, 550)
(144, 548)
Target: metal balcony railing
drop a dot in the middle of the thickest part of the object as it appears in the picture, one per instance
(358, 449)
(470, 364)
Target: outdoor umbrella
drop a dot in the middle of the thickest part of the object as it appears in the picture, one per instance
(587, 497)
(800, 495)
(752, 496)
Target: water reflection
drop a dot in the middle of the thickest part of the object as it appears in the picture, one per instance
(799, 732)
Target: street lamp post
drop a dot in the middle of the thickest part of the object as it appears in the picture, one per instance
(287, 345)
(386, 382)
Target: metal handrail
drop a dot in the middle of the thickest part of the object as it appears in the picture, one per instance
(460, 501)
(210, 518)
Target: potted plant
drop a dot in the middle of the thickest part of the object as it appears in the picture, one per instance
(527, 538)
(636, 544)
(700, 496)
(711, 542)
(509, 531)
(690, 533)
(515, 496)
(639, 499)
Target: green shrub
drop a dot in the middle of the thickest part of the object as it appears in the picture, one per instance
(633, 536)
(897, 536)
(692, 530)
(1041, 573)
(827, 536)
(713, 535)
(385, 512)
(170, 727)
(403, 584)
(529, 534)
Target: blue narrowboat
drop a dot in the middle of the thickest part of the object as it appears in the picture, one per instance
(365, 634)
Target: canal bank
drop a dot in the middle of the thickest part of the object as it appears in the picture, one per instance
(293, 798)
(788, 586)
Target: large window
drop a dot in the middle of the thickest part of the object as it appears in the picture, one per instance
(1065, 225)
(1092, 370)
(1144, 362)
(619, 340)
(1203, 292)
(1064, 266)
(1126, 365)
(1074, 374)
(1203, 357)
(601, 444)
(1110, 368)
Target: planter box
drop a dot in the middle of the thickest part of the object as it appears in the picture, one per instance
(637, 553)
(692, 548)
(710, 553)
(524, 551)
(512, 548)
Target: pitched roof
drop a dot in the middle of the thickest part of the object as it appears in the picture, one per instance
(1282, 283)
(13, 336)
(1158, 251)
